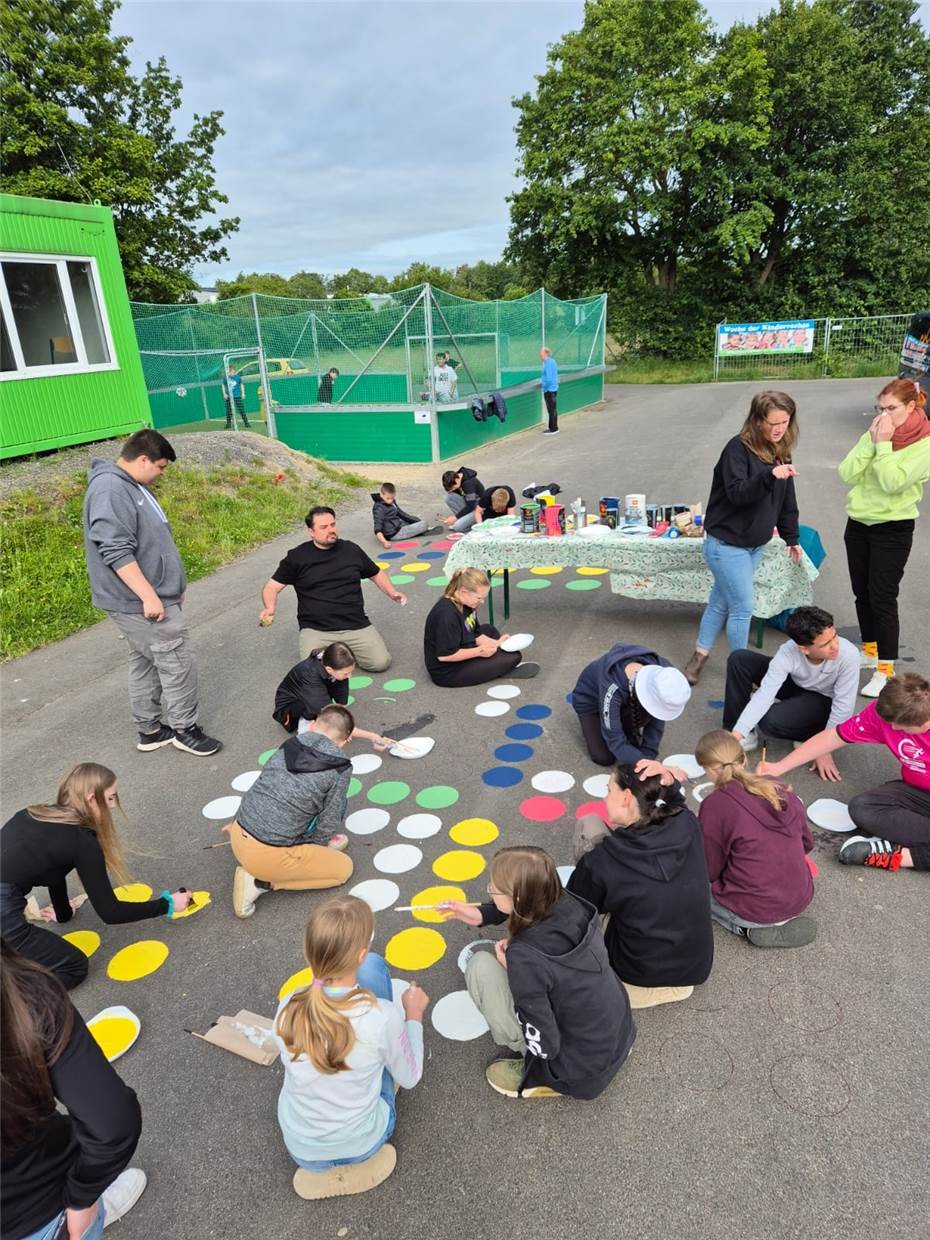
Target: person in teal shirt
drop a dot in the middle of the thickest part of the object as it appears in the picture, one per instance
(550, 387)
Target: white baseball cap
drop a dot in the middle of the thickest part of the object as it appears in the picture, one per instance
(663, 691)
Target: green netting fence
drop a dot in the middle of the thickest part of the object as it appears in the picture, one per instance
(384, 347)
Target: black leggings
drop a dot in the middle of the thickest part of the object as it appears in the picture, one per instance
(479, 671)
(876, 556)
(67, 962)
(594, 739)
(898, 812)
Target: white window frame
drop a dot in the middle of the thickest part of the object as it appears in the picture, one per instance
(81, 366)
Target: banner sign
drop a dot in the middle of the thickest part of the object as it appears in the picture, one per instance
(915, 352)
(795, 336)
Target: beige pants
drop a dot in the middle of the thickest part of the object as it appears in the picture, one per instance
(303, 867)
(366, 644)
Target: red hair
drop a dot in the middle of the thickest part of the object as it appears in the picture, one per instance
(905, 390)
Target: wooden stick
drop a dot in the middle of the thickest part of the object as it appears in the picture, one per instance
(415, 908)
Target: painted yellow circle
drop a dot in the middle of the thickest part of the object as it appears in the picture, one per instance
(383, 563)
(457, 866)
(199, 900)
(303, 977)
(114, 1035)
(417, 566)
(134, 893)
(544, 571)
(137, 960)
(435, 895)
(473, 832)
(416, 948)
(591, 572)
(86, 941)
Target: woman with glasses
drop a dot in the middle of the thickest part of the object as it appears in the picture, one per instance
(41, 845)
(458, 650)
(752, 491)
(886, 472)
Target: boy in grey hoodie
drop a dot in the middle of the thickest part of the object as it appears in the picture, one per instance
(137, 578)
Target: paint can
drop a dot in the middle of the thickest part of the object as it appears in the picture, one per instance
(609, 509)
(634, 509)
(554, 517)
(529, 518)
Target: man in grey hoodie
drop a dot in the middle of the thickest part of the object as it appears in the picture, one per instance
(137, 578)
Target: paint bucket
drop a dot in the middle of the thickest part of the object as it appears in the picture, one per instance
(554, 517)
(609, 509)
(529, 518)
(634, 509)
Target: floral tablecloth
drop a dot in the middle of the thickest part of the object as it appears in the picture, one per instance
(650, 568)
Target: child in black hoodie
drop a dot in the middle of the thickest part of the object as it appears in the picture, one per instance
(548, 992)
(646, 868)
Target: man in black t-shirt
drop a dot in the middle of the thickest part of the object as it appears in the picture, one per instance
(498, 501)
(327, 573)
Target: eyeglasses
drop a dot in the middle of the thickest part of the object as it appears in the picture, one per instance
(491, 892)
(887, 408)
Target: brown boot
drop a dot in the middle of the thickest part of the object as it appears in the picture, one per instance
(695, 666)
(346, 1180)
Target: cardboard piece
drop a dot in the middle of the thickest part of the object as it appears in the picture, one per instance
(245, 1034)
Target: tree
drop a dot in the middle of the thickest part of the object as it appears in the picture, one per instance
(356, 283)
(78, 125)
(308, 284)
(266, 282)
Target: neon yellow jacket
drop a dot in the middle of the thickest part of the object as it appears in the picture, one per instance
(885, 485)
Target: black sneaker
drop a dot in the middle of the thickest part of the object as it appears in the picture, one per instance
(872, 851)
(797, 932)
(155, 740)
(524, 671)
(194, 740)
(555, 432)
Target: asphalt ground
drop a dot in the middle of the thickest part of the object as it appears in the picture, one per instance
(788, 1098)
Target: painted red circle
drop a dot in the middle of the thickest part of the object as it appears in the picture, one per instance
(404, 546)
(445, 545)
(542, 809)
(593, 807)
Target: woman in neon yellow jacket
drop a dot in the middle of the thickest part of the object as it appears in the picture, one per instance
(886, 472)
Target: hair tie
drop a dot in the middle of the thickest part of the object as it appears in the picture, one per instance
(318, 981)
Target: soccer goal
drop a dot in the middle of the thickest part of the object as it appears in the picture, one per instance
(475, 357)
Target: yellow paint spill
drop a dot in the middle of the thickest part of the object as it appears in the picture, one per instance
(435, 895)
(135, 893)
(303, 977)
(114, 1035)
(86, 941)
(200, 899)
(457, 866)
(473, 832)
(137, 960)
(416, 948)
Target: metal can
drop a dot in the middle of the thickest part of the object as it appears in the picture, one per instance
(529, 518)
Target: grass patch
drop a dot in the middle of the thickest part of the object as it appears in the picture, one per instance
(215, 515)
(701, 370)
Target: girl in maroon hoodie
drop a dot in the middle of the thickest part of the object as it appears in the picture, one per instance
(755, 840)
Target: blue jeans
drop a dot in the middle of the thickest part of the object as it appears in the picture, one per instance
(52, 1230)
(374, 975)
(731, 599)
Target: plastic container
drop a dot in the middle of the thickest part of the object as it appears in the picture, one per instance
(554, 518)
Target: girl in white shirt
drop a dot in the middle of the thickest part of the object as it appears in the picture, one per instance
(346, 1048)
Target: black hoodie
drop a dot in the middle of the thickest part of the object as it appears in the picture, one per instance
(653, 882)
(305, 691)
(389, 518)
(574, 1014)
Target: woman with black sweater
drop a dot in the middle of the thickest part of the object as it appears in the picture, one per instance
(41, 845)
(752, 492)
(63, 1174)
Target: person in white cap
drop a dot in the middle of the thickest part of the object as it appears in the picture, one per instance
(623, 701)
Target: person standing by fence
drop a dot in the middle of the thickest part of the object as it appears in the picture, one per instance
(886, 472)
(550, 387)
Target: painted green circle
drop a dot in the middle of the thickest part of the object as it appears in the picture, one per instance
(400, 685)
(439, 582)
(402, 579)
(350, 699)
(534, 583)
(389, 792)
(584, 584)
(438, 796)
(263, 757)
(355, 786)
(359, 682)
(496, 581)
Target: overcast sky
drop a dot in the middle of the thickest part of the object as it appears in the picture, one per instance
(370, 134)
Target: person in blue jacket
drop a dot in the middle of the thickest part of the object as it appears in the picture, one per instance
(550, 388)
(623, 701)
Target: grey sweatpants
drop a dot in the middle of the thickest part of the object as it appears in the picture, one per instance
(409, 531)
(162, 671)
(456, 503)
(367, 645)
(486, 980)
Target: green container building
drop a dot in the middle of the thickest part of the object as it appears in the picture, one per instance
(69, 361)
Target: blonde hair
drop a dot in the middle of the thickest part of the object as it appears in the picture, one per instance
(88, 779)
(722, 756)
(500, 498)
(528, 877)
(465, 579)
(316, 1024)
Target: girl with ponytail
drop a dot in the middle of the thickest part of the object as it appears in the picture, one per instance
(346, 1048)
(318, 681)
(460, 651)
(755, 841)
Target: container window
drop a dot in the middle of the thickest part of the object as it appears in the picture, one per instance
(88, 312)
(45, 334)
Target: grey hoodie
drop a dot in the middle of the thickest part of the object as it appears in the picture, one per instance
(123, 522)
(300, 796)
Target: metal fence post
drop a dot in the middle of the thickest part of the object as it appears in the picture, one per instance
(717, 350)
(266, 386)
(825, 364)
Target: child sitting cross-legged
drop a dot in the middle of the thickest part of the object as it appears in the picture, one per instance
(756, 838)
(391, 523)
(346, 1047)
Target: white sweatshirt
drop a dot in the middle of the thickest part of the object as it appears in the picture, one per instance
(835, 678)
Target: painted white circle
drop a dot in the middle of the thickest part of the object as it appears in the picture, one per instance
(553, 781)
(688, 763)
(456, 1017)
(413, 747)
(398, 986)
(701, 791)
(517, 641)
(367, 821)
(490, 709)
(222, 807)
(596, 786)
(830, 814)
(397, 858)
(419, 826)
(565, 872)
(503, 692)
(378, 893)
(243, 782)
(365, 763)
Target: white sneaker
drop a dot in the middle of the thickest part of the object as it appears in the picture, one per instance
(750, 742)
(123, 1194)
(875, 685)
(470, 949)
(867, 660)
(245, 892)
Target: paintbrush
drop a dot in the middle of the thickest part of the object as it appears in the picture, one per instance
(416, 908)
(221, 844)
(762, 762)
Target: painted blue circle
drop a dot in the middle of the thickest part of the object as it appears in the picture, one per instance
(431, 555)
(513, 753)
(502, 776)
(392, 555)
(534, 712)
(715, 704)
(524, 731)
(568, 698)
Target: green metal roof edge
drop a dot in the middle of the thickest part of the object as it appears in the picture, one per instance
(17, 204)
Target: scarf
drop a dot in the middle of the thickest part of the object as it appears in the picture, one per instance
(916, 426)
